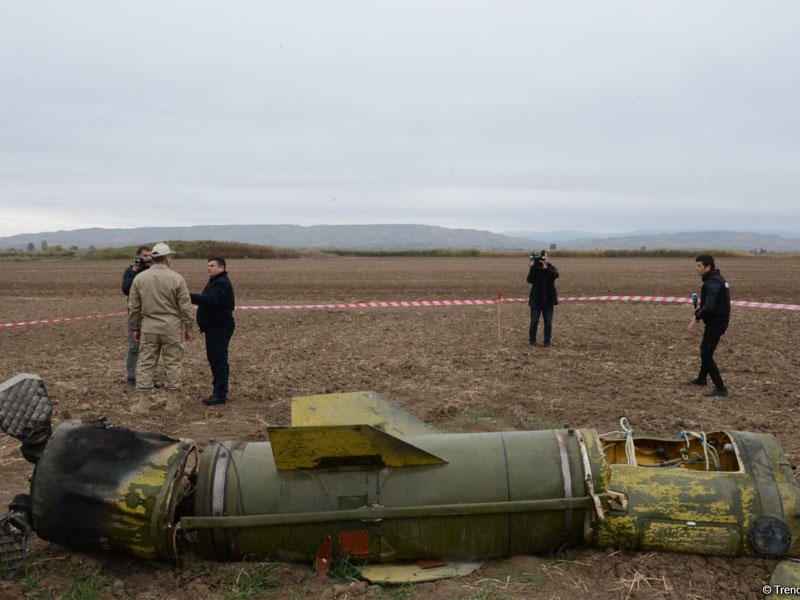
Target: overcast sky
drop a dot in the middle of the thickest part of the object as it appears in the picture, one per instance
(602, 116)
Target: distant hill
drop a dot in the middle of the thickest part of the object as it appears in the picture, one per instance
(401, 237)
(356, 237)
(717, 240)
(695, 240)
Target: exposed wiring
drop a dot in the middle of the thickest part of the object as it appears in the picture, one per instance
(627, 433)
(630, 447)
(709, 452)
(709, 457)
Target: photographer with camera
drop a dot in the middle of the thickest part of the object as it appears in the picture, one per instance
(140, 264)
(543, 296)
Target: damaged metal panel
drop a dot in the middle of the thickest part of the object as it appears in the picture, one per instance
(100, 487)
(25, 413)
(723, 495)
(15, 530)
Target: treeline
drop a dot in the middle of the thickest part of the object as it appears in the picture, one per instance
(418, 252)
(643, 252)
(235, 250)
(204, 249)
(191, 249)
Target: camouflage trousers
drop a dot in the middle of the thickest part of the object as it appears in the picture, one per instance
(170, 349)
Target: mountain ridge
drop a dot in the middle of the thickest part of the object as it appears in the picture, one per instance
(402, 237)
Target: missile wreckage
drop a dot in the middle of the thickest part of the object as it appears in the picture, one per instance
(354, 476)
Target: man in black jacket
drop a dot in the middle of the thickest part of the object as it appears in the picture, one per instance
(543, 297)
(714, 309)
(215, 319)
(140, 264)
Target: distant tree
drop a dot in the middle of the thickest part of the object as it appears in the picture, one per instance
(31, 247)
(643, 248)
(552, 246)
(44, 246)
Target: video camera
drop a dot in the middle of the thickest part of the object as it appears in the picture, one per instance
(536, 258)
(143, 263)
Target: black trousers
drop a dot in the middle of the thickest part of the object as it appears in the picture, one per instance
(217, 341)
(708, 367)
(546, 313)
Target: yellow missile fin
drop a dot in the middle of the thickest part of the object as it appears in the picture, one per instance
(357, 408)
(327, 446)
(413, 573)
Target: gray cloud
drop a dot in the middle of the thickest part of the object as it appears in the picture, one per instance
(606, 116)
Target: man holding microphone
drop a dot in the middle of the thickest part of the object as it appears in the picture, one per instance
(714, 309)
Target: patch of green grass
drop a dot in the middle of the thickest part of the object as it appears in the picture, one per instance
(250, 581)
(486, 591)
(533, 580)
(393, 592)
(76, 585)
(31, 580)
(480, 416)
(343, 570)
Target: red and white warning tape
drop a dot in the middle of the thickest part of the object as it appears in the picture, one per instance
(426, 303)
(678, 299)
(55, 320)
(384, 304)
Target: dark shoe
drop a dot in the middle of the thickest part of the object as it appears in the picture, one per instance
(716, 392)
(158, 385)
(547, 345)
(532, 344)
(131, 383)
(212, 400)
(697, 381)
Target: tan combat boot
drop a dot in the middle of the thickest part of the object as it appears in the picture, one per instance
(142, 405)
(173, 405)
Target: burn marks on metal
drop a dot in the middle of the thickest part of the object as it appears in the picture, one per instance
(101, 487)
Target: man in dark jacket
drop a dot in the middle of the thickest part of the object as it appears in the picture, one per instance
(714, 309)
(543, 297)
(215, 319)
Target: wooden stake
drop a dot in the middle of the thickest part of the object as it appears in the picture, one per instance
(499, 319)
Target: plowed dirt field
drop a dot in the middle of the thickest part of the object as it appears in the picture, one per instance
(459, 368)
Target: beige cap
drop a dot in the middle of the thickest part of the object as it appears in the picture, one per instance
(160, 249)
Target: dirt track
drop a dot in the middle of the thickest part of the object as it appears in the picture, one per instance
(458, 368)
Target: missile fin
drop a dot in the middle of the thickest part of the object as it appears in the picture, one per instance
(362, 408)
(327, 446)
(416, 572)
